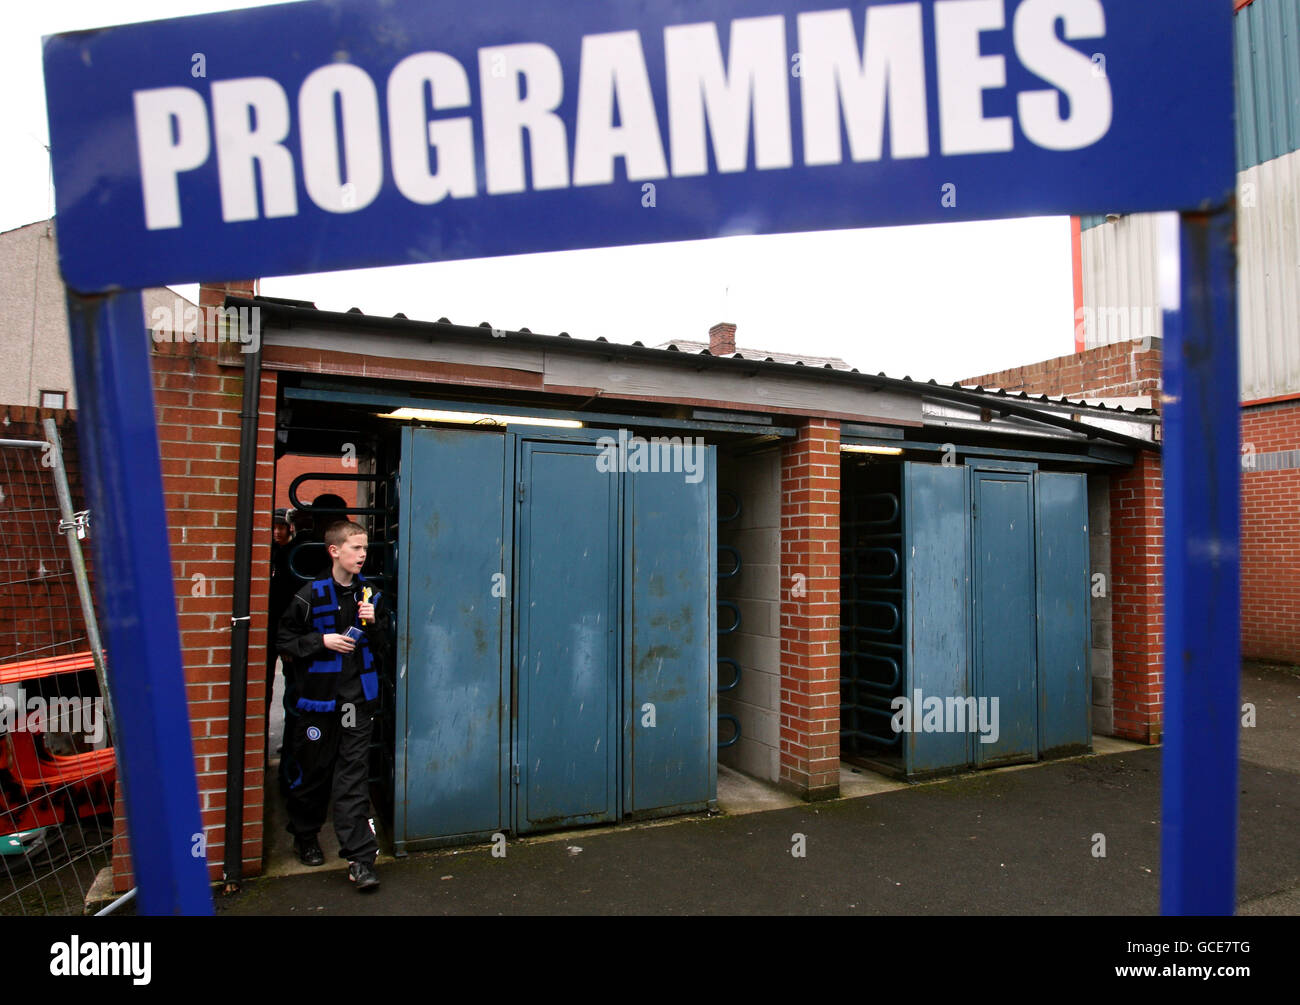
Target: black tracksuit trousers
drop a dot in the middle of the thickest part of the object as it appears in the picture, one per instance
(328, 762)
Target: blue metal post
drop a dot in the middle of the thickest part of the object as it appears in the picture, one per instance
(1202, 464)
(136, 596)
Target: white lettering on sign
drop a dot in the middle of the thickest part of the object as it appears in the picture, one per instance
(360, 145)
(755, 79)
(162, 158)
(1074, 73)
(613, 69)
(412, 136)
(239, 147)
(506, 114)
(965, 74)
(867, 77)
(893, 63)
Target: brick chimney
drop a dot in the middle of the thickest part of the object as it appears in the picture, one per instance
(722, 339)
(213, 295)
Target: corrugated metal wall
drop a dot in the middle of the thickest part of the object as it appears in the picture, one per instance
(1120, 286)
(1268, 248)
(1121, 291)
(1268, 81)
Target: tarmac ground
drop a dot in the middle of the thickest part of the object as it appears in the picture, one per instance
(1019, 840)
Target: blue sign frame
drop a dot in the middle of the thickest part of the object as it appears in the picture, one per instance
(331, 135)
(210, 146)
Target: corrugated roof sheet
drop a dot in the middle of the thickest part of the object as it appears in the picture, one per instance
(954, 391)
(689, 345)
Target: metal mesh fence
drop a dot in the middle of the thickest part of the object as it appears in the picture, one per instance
(57, 766)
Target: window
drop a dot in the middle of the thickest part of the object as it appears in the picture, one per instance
(54, 399)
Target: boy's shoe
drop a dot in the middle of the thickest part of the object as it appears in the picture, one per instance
(308, 851)
(363, 874)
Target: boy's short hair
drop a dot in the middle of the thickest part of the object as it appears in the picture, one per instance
(340, 530)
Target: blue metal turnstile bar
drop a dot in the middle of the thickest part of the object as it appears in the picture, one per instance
(861, 680)
(871, 607)
(730, 573)
(735, 675)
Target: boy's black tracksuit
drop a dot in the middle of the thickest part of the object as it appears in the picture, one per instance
(333, 699)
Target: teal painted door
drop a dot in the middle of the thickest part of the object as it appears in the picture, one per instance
(937, 612)
(546, 602)
(1064, 613)
(567, 652)
(670, 723)
(452, 750)
(1005, 637)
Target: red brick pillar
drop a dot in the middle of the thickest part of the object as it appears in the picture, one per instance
(810, 611)
(197, 402)
(1137, 600)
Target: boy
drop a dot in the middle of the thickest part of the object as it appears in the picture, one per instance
(336, 684)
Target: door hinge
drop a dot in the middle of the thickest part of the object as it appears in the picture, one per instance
(514, 772)
(519, 491)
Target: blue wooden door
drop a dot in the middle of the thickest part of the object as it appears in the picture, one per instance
(670, 715)
(1005, 638)
(936, 558)
(567, 649)
(1064, 616)
(452, 755)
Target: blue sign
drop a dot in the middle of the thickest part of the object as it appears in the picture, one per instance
(318, 136)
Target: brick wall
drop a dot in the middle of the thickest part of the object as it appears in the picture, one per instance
(1121, 370)
(1136, 525)
(1137, 600)
(290, 466)
(40, 612)
(1270, 544)
(198, 403)
(810, 610)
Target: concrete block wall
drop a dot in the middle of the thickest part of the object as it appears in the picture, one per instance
(756, 534)
(1100, 658)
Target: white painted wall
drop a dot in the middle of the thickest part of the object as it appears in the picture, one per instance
(34, 319)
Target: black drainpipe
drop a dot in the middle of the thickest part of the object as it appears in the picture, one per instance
(239, 616)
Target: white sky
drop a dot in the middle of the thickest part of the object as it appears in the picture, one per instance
(945, 301)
